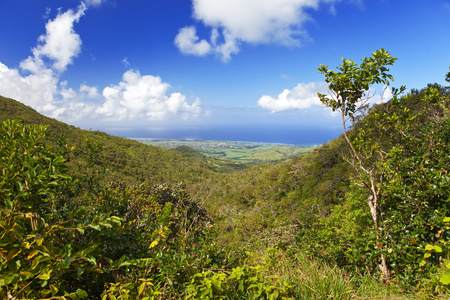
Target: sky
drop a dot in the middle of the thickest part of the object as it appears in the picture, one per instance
(243, 70)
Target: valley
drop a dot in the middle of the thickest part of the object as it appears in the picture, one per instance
(242, 152)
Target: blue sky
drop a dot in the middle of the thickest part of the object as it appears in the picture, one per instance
(231, 69)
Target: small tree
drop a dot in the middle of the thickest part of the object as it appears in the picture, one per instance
(349, 93)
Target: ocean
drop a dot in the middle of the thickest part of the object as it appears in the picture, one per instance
(266, 134)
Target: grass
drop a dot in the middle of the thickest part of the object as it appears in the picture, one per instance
(311, 279)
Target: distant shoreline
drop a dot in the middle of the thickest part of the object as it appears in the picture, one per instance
(220, 141)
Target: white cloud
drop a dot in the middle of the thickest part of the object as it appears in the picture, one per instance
(374, 96)
(36, 90)
(37, 83)
(54, 51)
(60, 44)
(144, 97)
(251, 21)
(94, 2)
(126, 63)
(303, 96)
(188, 42)
(90, 91)
(46, 15)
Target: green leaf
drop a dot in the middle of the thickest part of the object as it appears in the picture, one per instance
(81, 293)
(141, 288)
(429, 247)
(437, 248)
(13, 253)
(38, 260)
(9, 204)
(95, 226)
(67, 262)
(39, 239)
(54, 289)
(105, 224)
(45, 275)
(445, 279)
(32, 254)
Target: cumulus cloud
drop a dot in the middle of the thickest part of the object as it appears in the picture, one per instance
(55, 50)
(303, 96)
(36, 90)
(90, 91)
(188, 42)
(37, 83)
(250, 21)
(60, 44)
(144, 96)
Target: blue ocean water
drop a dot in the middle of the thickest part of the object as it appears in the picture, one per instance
(261, 134)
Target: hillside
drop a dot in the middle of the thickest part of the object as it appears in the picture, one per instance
(248, 206)
(126, 160)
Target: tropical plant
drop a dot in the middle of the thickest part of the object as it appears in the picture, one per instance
(349, 87)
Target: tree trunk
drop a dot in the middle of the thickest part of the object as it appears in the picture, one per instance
(373, 205)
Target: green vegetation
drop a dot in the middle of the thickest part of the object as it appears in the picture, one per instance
(124, 159)
(84, 215)
(217, 164)
(241, 152)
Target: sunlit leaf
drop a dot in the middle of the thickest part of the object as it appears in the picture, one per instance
(81, 293)
(445, 278)
(45, 275)
(437, 248)
(429, 247)
(153, 244)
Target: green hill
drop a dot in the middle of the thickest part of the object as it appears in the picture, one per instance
(217, 164)
(125, 159)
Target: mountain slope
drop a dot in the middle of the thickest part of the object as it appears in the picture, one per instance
(126, 160)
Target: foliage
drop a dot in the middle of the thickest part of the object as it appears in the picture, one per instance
(279, 274)
(400, 155)
(61, 237)
(261, 206)
(440, 251)
(48, 245)
(349, 86)
(351, 82)
(218, 164)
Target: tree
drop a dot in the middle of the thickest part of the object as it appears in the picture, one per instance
(349, 93)
(447, 76)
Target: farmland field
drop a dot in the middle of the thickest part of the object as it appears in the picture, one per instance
(243, 152)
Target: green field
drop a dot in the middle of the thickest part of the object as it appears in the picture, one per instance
(243, 152)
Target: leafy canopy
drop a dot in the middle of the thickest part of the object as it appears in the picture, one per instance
(351, 82)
